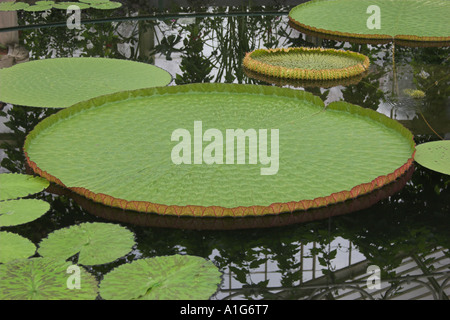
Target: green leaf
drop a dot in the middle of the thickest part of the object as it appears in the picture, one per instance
(177, 277)
(410, 19)
(104, 149)
(14, 246)
(106, 5)
(15, 185)
(96, 243)
(20, 211)
(45, 279)
(434, 155)
(39, 7)
(67, 4)
(13, 6)
(61, 82)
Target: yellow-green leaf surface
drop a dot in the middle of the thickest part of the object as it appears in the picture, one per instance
(14, 246)
(45, 279)
(61, 82)
(15, 185)
(96, 243)
(177, 277)
(416, 18)
(20, 211)
(120, 146)
(434, 155)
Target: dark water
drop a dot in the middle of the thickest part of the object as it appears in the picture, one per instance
(405, 234)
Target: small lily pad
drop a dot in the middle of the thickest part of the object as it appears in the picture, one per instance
(13, 6)
(45, 279)
(14, 246)
(434, 155)
(176, 277)
(16, 185)
(94, 1)
(106, 5)
(65, 5)
(16, 212)
(45, 2)
(39, 7)
(96, 243)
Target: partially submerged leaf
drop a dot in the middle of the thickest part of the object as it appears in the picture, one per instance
(20, 211)
(106, 5)
(434, 155)
(14, 246)
(13, 6)
(96, 243)
(45, 279)
(67, 4)
(15, 185)
(177, 277)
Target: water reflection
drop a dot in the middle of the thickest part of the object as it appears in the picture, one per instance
(405, 234)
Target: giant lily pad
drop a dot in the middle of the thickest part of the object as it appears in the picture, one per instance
(119, 150)
(415, 20)
(177, 277)
(306, 63)
(20, 211)
(96, 243)
(45, 279)
(14, 247)
(61, 82)
(15, 185)
(434, 155)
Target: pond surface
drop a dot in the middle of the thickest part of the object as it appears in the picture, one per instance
(405, 233)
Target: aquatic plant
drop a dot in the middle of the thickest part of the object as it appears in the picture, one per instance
(20, 211)
(14, 247)
(15, 185)
(61, 82)
(176, 277)
(416, 94)
(95, 243)
(434, 155)
(420, 20)
(44, 279)
(367, 150)
(306, 63)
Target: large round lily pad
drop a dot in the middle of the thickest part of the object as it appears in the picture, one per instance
(14, 247)
(96, 243)
(415, 20)
(135, 150)
(45, 279)
(177, 277)
(15, 185)
(61, 82)
(306, 63)
(434, 155)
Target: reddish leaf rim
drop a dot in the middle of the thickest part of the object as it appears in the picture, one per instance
(218, 211)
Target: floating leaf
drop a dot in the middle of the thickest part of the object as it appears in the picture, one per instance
(65, 5)
(45, 2)
(61, 82)
(15, 185)
(96, 243)
(415, 20)
(39, 7)
(177, 277)
(45, 279)
(94, 1)
(106, 5)
(306, 63)
(16, 212)
(13, 6)
(434, 155)
(14, 246)
(104, 150)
